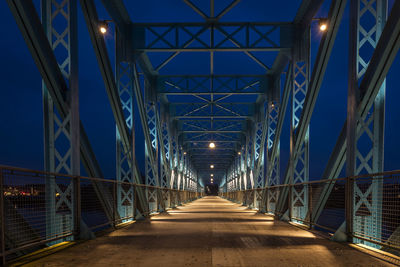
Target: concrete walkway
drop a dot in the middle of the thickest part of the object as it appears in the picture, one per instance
(210, 232)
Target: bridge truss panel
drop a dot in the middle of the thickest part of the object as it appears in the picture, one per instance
(61, 133)
(365, 145)
(299, 159)
(125, 160)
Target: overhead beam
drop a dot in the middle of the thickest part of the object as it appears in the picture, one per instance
(196, 9)
(209, 131)
(212, 117)
(227, 9)
(171, 37)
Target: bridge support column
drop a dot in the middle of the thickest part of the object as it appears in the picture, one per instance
(273, 165)
(364, 202)
(259, 166)
(61, 132)
(125, 160)
(299, 160)
(166, 155)
(152, 178)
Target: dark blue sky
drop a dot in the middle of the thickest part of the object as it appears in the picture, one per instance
(21, 134)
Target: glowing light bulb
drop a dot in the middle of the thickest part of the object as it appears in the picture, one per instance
(212, 145)
(103, 29)
(212, 166)
(323, 27)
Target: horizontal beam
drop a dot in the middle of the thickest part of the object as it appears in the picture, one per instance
(209, 131)
(211, 117)
(203, 141)
(209, 93)
(190, 37)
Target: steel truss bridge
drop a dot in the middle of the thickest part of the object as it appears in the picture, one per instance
(182, 114)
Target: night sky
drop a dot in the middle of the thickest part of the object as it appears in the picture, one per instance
(21, 134)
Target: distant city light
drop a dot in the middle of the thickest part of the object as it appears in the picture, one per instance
(212, 145)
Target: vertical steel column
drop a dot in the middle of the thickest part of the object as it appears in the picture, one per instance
(299, 159)
(152, 178)
(238, 172)
(61, 133)
(365, 136)
(174, 161)
(259, 156)
(242, 169)
(165, 138)
(273, 166)
(125, 160)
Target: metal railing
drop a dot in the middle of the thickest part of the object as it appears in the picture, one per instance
(366, 207)
(39, 208)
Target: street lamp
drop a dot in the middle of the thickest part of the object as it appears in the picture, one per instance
(323, 26)
(103, 26)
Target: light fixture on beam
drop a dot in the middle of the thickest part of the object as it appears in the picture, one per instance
(212, 166)
(103, 26)
(212, 175)
(323, 26)
(212, 145)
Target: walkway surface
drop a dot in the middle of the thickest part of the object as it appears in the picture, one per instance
(210, 232)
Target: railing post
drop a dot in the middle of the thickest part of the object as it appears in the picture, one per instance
(2, 218)
(115, 184)
(290, 201)
(349, 207)
(310, 205)
(134, 203)
(77, 207)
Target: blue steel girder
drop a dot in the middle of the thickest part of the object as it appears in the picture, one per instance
(367, 130)
(211, 37)
(335, 14)
(60, 212)
(125, 174)
(299, 158)
(166, 149)
(273, 166)
(378, 67)
(211, 109)
(221, 84)
(152, 177)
